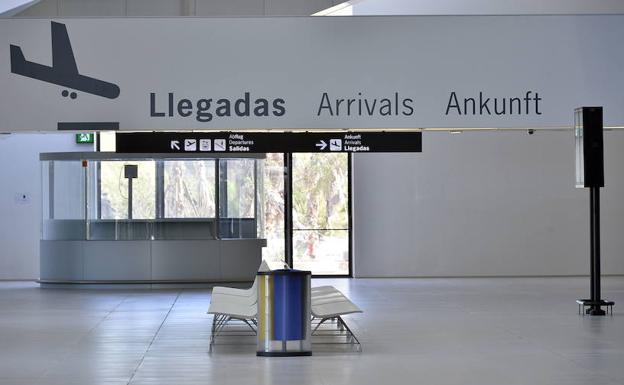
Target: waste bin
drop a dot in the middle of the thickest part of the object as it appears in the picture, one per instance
(284, 313)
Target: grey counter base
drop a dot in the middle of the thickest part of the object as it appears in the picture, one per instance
(149, 262)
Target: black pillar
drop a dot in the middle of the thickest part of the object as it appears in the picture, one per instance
(588, 132)
(594, 227)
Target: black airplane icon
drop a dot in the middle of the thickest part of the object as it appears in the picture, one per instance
(64, 71)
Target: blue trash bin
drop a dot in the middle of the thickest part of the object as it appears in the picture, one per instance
(284, 313)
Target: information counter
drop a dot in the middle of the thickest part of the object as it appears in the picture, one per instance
(155, 218)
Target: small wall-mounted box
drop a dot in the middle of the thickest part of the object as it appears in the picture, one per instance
(22, 198)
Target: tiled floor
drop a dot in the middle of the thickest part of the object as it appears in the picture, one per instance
(413, 331)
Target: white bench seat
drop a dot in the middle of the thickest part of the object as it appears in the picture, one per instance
(228, 304)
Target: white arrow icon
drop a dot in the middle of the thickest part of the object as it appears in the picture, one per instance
(175, 145)
(321, 145)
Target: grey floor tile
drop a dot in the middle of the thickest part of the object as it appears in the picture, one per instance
(429, 331)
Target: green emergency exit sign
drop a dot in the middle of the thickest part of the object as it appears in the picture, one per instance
(85, 138)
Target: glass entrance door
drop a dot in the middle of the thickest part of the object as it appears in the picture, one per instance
(306, 212)
(321, 213)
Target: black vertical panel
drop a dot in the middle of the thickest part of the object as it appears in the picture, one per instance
(350, 213)
(593, 153)
(217, 181)
(288, 228)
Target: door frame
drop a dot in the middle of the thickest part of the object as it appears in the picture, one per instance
(288, 211)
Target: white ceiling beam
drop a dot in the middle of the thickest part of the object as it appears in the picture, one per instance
(9, 8)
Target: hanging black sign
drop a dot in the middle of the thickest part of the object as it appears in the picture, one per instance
(259, 142)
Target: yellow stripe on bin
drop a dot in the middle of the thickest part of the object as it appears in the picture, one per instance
(265, 322)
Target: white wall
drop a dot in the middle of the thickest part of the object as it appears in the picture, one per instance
(481, 204)
(486, 7)
(20, 222)
(470, 204)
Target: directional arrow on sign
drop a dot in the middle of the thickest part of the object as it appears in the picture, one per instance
(321, 145)
(175, 145)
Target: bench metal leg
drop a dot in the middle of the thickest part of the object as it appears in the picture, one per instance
(220, 321)
(341, 326)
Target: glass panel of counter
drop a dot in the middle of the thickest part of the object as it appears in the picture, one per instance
(141, 229)
(161, 229)
(89, 196)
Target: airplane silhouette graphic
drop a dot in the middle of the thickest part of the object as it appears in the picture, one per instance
(63, 71)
